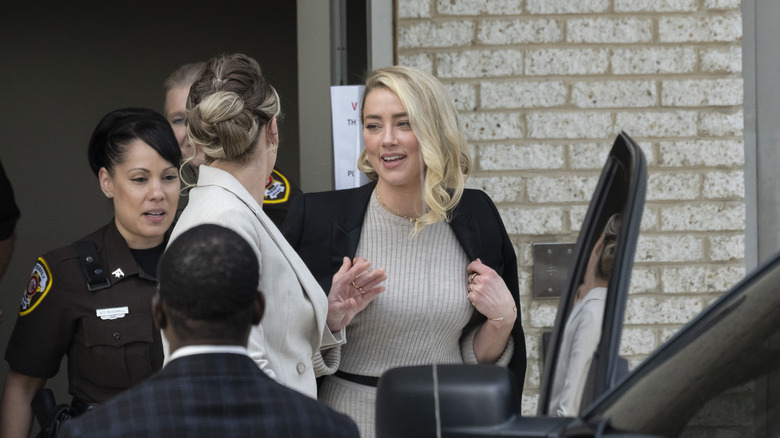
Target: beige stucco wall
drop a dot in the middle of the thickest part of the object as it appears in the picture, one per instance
(543, 86)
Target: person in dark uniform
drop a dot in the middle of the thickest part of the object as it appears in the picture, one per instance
(279, 194)
(279, 189)
(91, 300)
(9, 214)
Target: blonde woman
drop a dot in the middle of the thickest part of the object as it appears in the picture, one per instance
(176, 88)
(232, 116)
(452, 286)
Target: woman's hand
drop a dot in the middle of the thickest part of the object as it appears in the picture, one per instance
(489, 294)
(353, 287)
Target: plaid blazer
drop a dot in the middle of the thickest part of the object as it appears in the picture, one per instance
(211, 395)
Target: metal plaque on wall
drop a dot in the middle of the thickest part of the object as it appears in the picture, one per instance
(551, 268)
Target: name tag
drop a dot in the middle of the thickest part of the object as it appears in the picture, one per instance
(112, 313)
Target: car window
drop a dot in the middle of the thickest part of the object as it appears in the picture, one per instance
(717, 373)
(571, 381)
(744, 398)
(736, 409)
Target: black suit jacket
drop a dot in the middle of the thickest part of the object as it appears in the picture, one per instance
(211, 395)
(325, 227)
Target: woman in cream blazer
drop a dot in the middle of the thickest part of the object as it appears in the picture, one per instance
(231, 116)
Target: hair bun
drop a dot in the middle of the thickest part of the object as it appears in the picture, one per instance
(221, 126)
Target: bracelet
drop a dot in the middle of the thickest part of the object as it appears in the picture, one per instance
(501, 318)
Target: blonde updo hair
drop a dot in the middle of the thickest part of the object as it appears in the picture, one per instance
(606, 264)
(228, 106)
(434, 122)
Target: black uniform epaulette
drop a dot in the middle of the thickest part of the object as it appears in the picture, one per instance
(90, 262)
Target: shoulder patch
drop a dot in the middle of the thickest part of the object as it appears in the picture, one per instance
(279, 190)
(37, 288)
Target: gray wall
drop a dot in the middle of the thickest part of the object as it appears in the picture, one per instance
(62, 67)
(761, 71)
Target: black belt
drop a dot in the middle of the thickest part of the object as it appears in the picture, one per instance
(362, 380)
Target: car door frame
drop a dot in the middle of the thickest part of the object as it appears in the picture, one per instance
(623, 176)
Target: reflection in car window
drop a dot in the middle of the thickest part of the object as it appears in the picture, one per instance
(583, 326)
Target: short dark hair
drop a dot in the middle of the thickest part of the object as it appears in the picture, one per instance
(209, 280)
(120, 127)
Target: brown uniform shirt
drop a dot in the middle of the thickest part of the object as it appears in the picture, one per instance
(108, 335)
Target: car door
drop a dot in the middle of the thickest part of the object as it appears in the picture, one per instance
(621, 189)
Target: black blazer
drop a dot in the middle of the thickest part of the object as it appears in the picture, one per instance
(325, 227)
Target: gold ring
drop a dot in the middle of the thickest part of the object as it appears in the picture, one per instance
(471, 277)
(358, 287)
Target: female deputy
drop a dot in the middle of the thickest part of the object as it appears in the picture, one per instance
(452, 286)
(91, 300)
(232, 116)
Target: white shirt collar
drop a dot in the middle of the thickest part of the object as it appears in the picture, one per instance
(207, 349)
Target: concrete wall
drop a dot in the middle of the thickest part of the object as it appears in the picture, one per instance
(543, 86)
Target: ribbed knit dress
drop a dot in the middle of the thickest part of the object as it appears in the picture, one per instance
(419, 319)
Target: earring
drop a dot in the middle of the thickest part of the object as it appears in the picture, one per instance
(110, 196)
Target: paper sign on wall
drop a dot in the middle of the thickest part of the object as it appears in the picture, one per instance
(347, 135)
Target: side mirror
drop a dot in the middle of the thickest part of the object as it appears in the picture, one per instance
(424, 401)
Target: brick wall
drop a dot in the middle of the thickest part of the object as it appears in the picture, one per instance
(543, 86)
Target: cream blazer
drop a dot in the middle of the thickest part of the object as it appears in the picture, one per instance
(581, 337)
(288, 341)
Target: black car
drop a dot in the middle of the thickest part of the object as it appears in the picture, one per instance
(719, 376)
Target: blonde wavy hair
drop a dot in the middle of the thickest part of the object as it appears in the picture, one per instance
(227, 107)
(443, 144)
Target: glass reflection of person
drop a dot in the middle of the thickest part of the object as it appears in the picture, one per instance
(583, 327)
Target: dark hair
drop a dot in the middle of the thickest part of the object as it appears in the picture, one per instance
(120, 127)
(209, 278)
